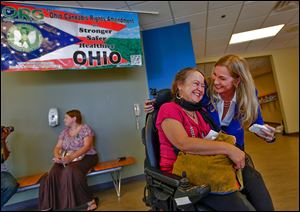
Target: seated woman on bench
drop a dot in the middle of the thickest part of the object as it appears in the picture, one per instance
(65, 186)
(180, 125)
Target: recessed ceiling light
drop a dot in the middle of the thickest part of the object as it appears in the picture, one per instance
(255, 34)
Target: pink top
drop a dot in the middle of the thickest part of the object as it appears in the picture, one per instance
(76, 142)
(174, 111)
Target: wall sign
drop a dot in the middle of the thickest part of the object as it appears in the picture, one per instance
(42, 38)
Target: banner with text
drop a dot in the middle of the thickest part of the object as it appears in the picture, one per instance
(42, 38)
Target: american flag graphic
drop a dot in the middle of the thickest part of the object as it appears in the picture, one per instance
(53, 42)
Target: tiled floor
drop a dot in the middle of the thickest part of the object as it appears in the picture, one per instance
(277, 162)
(131, 198)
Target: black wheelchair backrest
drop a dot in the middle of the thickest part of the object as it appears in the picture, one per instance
(151, 139)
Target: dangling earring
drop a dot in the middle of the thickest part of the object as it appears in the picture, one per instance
(177, 95)
(236, 84)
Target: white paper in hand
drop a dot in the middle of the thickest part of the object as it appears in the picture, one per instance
(256, 128)
(212, 135)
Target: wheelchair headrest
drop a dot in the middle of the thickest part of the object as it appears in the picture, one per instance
(163, 96)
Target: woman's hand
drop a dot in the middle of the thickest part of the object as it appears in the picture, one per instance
(148, 106)
(237, 156)
(269, 133)
(67, 159)
(57, 157)
(57, 160)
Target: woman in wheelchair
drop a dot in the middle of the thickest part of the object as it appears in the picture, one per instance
(182, 127)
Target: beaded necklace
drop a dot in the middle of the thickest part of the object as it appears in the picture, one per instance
(227, 103)
(193, 115)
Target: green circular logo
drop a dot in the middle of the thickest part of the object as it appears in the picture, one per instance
(24, 37)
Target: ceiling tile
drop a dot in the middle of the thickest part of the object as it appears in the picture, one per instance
(198, 39)
(219, 42)
(159, 6)
(198, 34)
(212, 47)
(281, 41)
(295, 19)
(289, 29)
(260, 44)
(216, 51)
(104, 4)
(255, 9)
(230, 13)
(134, 2)
(274, 46)
(199, 51)
(220, 4)
(237, 48)
(249, 24)
(283, 38)
(219, 32)
(186, 8)
(197, 20)
(55, 3)
(199, 56)
(200, 46)
(279, 18)
(157, 24)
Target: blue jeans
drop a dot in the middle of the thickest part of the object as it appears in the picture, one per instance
(9, 187)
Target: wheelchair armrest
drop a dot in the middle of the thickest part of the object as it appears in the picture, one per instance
(173, 185)
(175, 181)
(164, 177)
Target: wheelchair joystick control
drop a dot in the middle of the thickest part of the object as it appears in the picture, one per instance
(184, 182)
(187, 195)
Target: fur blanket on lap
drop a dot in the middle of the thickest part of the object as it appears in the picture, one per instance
(215, 170)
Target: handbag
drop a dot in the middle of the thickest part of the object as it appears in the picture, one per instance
(215, 170)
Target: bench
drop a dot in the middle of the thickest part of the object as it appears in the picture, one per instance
(113, 167)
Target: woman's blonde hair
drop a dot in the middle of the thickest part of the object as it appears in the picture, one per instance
(181, 77)
(247, 102)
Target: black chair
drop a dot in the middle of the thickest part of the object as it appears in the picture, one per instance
(165, 191)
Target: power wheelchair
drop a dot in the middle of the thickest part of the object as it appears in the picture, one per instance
(165, 191)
